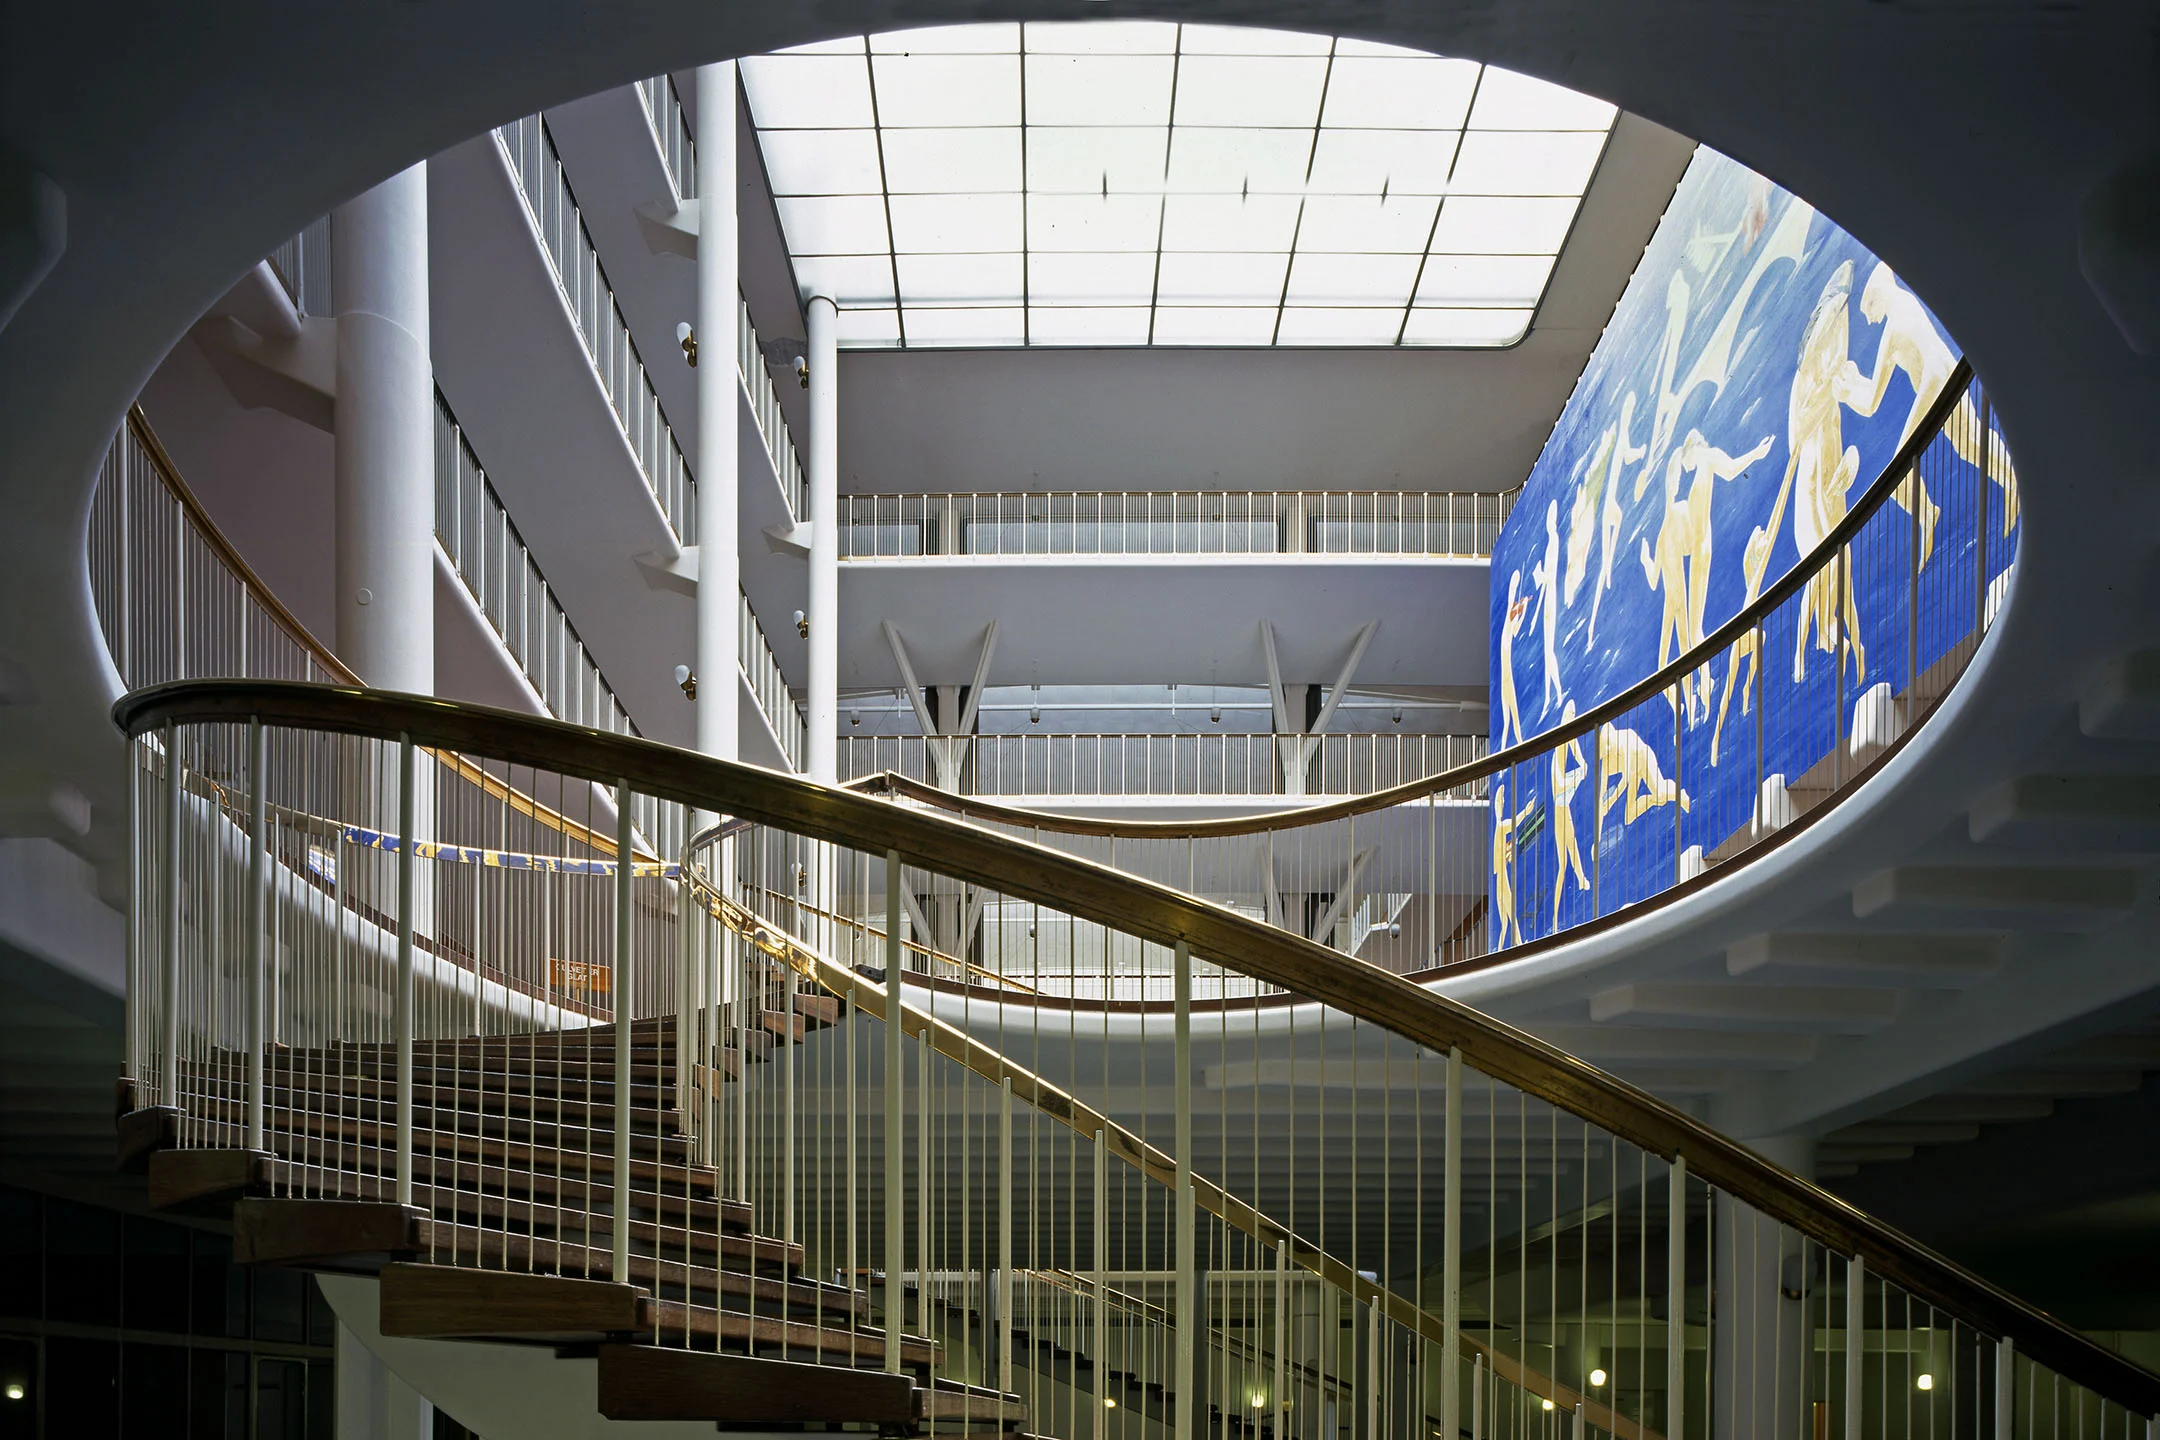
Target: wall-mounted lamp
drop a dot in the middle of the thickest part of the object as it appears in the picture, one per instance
(1397, 715)
(1034, 714)
(686, 678)
(1215, 714)
(687, 338)
(854, 717)
(802, 624)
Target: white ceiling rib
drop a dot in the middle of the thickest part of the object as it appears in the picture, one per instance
(1134, 183)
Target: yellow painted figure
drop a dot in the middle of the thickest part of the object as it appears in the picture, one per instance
(1568, 769)
(1679, 567)
(1503, 867)
(1629, 776)
(1518, 610)
(1754, 562)
(1911, 345)
(1821, 468)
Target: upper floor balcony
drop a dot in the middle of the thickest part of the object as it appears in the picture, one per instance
(1403, 524)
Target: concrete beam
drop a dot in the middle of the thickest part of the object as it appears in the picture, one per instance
(2088, 814)
(1991, 897)
(1964, 1107)
(1789, 1009)
(1756, 1050)
(1908, 1132)
(1890, 962)
(2123, 700)
(2054, 1084)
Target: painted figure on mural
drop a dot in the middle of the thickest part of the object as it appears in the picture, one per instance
(1679, 567)
(1503, 869)
(1568, 769)
(1821, 468)
(1546, 576)
(1518, 610)
(1597, 511)
(1754, 565)
(1629, 776)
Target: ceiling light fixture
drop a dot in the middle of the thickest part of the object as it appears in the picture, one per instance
(687, 338)
(686, 680)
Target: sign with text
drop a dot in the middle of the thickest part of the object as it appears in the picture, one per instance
(579, 975)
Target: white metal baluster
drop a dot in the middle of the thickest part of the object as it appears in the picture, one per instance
(1187, 1263)
(894, 1237)
(169, 1062)
(1005, 1173)
(405, 972)
(258, 884)
(624, 1017)
(1451, 1249)
(1855, 1343)
(1675, 1294)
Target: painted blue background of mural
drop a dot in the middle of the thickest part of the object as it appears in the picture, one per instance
(1761, 370)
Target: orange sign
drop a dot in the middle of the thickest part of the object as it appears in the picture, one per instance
(578, 975)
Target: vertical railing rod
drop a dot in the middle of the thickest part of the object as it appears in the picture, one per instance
(1855, 1343)
(894, 1234)
(1187, 1263)
(1675, 1296)
(405, 859)
(1101, 1256)
(1451, 1250)
(258, 918)
(169, 1062)
(1005, 1234)
(625, 996)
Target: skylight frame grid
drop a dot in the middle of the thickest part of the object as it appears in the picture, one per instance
(936, 222)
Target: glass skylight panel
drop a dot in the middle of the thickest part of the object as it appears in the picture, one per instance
(1427, 326)
(834, 224)
(1428, 94)
(1249, 90)
(1527, 162)
(1207, 159)
(960, 279)
(930, 90)
(1366, 222)
(1187, 278)
(1082, 278)
(823, 162)
(1145, 182)
(1099, 89)
(1093, 325)
(1093, 222)
(1306, 325)
(1089, 160)
(982, 161)
(1317, 279)
(848, 279)
(973, 326)
(955, 224)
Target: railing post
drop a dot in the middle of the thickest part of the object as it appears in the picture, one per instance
(258, 925)
(1187, 1262)
(625, 1013)
(1005, 1234)
(787, 1168)
(169, 1062)
(1477, 1400)
(1855, 1343)
(1912, 602)
(895, 1234)
(1675, 1297)
(923, 1157)
(405, 972)
(1101, 1256)
(1451, 1251)
(1980, 530)
(2005, 1384)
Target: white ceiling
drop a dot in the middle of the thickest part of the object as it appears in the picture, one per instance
(1135, 183)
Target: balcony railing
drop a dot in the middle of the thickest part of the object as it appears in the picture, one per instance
(771, 688)
(771, 421)
(302, 266)
(1755, 732)
(1408, 523)
(174, 598)
(671, 132)
(553, 209)
(1038, 766)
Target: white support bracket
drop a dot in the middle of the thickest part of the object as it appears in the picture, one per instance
(670, 227)
(1341, 902)
(292, 373)
(677, 572)
(1296, 752)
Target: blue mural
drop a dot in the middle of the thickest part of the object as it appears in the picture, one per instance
(1761, 370)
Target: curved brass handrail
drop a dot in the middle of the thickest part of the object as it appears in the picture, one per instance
(1167, 917)
(1881, 492)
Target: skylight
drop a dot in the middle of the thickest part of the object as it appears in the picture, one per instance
(1147, 183)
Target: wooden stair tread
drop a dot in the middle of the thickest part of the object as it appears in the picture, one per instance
(864, 1344)
(455, 1302)
(653, 1382)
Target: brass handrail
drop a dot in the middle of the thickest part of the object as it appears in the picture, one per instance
(1167, 917)
(1881, 492)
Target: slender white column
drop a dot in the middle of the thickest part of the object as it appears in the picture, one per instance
(385, 441)
(824, 607)
(372, 1402)
(719, 413)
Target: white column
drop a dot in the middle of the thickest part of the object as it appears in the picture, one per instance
(719, 416)
(385, 440)
(1761, 1338)
(372, 1402)
(824, 607)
